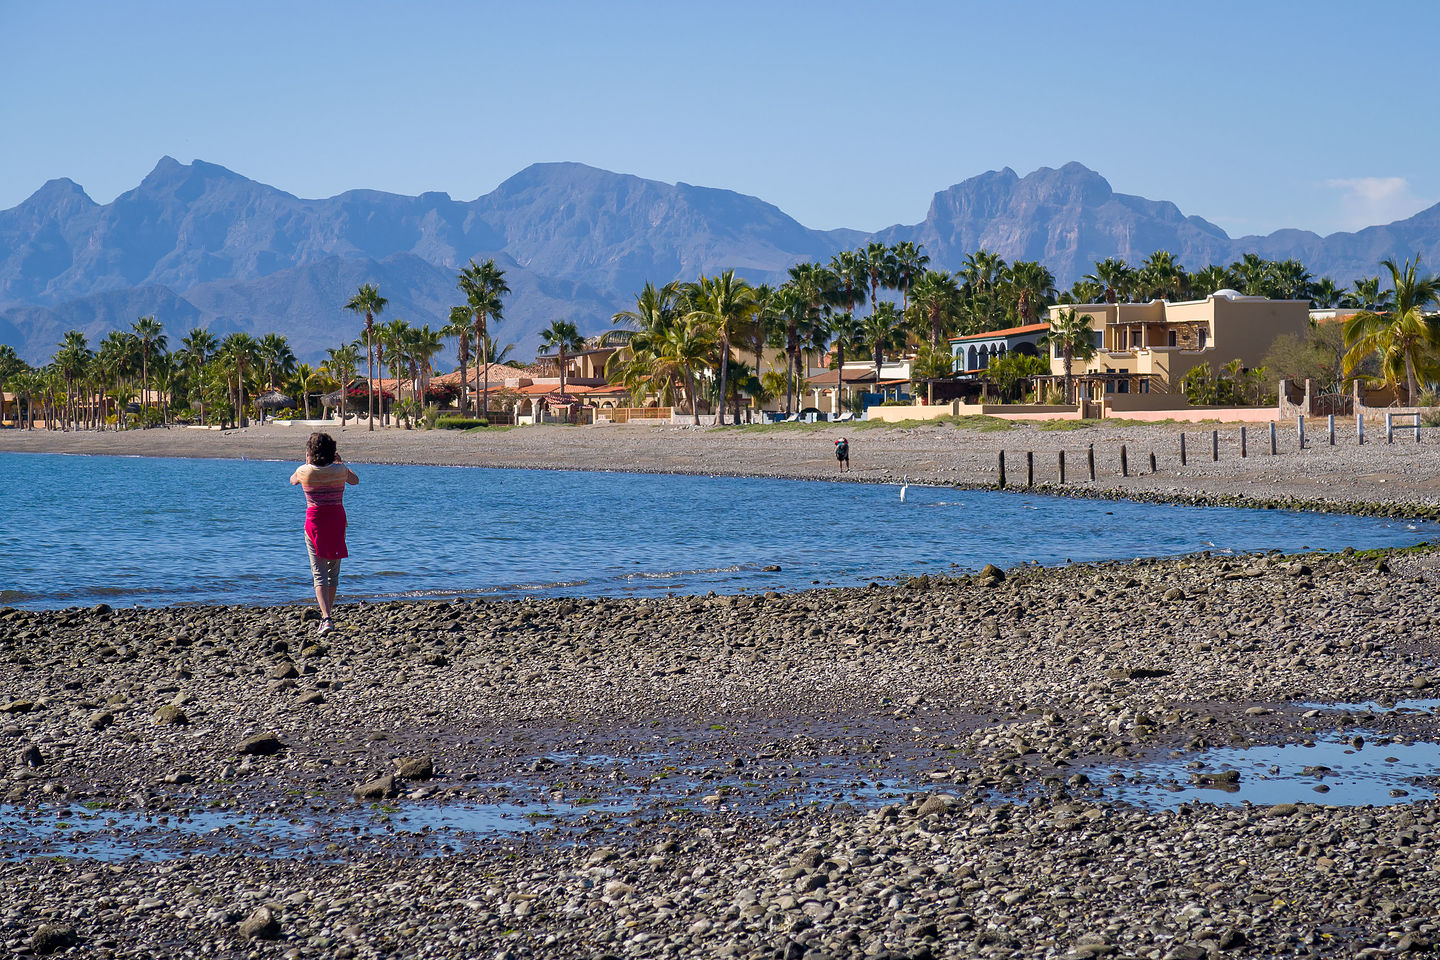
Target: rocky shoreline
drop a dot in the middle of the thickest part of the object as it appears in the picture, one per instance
(931, 768)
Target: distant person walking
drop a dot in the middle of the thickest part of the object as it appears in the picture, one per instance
(842, 454)
(323, 478)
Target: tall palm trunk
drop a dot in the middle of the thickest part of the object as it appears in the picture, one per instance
(724, 375)
(370, 364)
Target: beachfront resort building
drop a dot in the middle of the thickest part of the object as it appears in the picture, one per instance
(1147, 348)
(974, 352)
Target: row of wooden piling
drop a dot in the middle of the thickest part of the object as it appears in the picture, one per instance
(1390, 426)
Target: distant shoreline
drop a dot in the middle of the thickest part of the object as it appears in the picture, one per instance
(1402, 479)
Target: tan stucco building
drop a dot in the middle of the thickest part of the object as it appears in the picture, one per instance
(1147, 348)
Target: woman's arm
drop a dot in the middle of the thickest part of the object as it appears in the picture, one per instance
(295, 477)
(350, 477)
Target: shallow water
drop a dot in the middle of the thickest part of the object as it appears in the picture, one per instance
(1428, 705)
(1331, 772)
(126, 530)
(431, 828)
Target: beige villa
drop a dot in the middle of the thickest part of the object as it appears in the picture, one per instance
(1145, 349)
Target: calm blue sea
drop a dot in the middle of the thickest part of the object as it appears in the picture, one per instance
(81, 530)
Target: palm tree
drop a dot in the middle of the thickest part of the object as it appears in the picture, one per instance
(1367, 295)
(881, 267)
(847, 334)
(367, 300)
(1071, 338)
(1114, 275)
(763, 323)
(1404, 337)
(240, 355)
(982, 269)
(910, 259)
(71, 359)
(880, 332)
(1161, 274)
(687, 347)
(562, 337)
(149, 331)
(422, 347)
(1030, 287)
(485, 288)
(1205, 282)
(1083, 291)
(391, 336)
(937, 304)
(198, 344)
(1324, 294)
(118, 355)
(724, 303)
(340, 365)
(809, 288)
(277, 360)
(303, 377)
(459, 328)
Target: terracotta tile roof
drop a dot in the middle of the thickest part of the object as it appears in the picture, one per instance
(1007, 332)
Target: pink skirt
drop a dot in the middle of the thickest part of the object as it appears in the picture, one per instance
(325, 529)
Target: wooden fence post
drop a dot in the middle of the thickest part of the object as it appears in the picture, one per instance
(1389, 428)
(1002, 469)
(1182, 449)
(1090, 456)
(1061, 462)
(1214, 445)
(1300, 426)
(1124, 462)
(1152, 461)
(1360, 428)
(1332, 429)
(1244, 447)
(1417, 428)
(1272, 438)
(1030, 468)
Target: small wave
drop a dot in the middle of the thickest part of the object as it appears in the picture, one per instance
(672, 574)
(17, 596)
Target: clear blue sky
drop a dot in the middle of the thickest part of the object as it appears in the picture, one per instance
(1256, 115)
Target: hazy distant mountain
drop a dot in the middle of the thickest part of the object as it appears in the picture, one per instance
(196, 244)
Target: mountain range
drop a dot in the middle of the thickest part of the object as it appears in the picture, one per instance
(196, 244)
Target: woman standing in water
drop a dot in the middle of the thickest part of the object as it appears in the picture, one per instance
(323, 478)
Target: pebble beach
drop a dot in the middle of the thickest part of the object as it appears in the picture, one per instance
(1019, 763)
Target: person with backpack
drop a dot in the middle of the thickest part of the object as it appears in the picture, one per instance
(842, 454)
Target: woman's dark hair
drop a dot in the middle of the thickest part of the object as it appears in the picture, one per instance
(320, 449)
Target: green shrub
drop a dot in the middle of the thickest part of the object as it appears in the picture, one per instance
(459, 423)
(431, 415)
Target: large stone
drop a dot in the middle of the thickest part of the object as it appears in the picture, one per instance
(31, 757)
(100, 720)
(171, 714)
(52, 938)
(991, 572)
(260, 746)
(17, 706)
(283, 671)
(381, 789)
(262, 924)
(416, 768)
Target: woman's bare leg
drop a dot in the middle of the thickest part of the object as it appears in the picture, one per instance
(325, 597)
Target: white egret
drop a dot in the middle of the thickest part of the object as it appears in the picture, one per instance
(904, 485)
